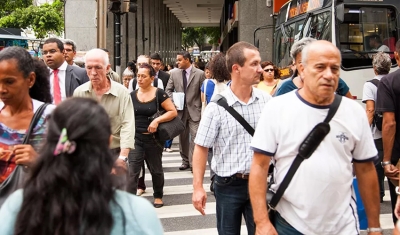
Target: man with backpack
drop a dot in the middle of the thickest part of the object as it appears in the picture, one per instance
(388, 102)
(381, 64)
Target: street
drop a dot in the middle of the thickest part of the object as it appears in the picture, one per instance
(179, 217)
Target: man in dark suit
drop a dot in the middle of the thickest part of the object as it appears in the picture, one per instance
(64, 78)
(156, 62)
(187, 79)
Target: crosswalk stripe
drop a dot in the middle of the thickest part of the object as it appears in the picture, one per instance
(183, 210)
(174, 190)
(208, 231)
(168, 159)
(176, 175)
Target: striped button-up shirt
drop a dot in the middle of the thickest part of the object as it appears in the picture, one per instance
(228, 138)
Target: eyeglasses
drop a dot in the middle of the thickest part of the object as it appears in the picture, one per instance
(269, 70)
(52, 51)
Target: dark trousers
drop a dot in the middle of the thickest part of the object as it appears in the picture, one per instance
(168, 144)
(141, 184)
(186, 138)
(233, 201)
(379, 168)
(148, 149)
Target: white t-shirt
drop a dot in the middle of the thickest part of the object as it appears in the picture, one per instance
(369, 93)
(319, 199)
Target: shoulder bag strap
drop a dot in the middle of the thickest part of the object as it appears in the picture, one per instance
(34, 121)
(221, 101)
(299, 159)
(158, 109)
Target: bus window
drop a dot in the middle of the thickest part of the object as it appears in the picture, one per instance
(366, 30)
(320, 27)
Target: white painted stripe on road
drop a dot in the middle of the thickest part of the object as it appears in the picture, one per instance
(386, 221)
(209, 231)
(168, 159)
(186, 174)
(174, 190)
(183, 210)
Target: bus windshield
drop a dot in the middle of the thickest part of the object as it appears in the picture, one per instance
(364, 31)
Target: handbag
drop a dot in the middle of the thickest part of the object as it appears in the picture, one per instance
(16, 179)
(307, 147)
(167, 130)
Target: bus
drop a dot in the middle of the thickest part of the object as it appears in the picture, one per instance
(31, 44)
(350, 25)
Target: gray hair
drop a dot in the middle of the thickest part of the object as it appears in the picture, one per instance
(98, 53)
(127, 72)
(71, 43)
(381, 63)
(298, 46)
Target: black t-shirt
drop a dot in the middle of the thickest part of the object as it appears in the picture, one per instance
(144, 110)
(388, 100)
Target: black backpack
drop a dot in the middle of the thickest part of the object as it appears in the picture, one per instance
(134, 83)
(378, 116)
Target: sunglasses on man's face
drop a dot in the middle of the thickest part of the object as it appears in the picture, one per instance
(269, 70)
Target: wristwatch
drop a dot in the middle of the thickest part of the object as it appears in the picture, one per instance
(374, 230)
(125, 159)
(386, 163)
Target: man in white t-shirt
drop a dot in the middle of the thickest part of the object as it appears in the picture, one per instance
(319, 199)
(382, 64)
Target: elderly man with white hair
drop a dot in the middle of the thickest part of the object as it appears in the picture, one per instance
(115, 99)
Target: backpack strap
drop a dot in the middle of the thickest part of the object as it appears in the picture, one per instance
(155, 83)
(134, 83)
(374, 81)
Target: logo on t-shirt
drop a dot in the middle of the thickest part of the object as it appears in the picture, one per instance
(342, 137)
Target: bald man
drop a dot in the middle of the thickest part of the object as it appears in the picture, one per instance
(319, 198)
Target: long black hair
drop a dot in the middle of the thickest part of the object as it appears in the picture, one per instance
(70, 193)
(26, 64)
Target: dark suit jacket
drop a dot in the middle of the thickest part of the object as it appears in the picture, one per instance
(164, 78)
(193, 93)
(74, 77)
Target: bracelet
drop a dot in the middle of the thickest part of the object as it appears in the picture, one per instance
(374, 230)
(386, 163)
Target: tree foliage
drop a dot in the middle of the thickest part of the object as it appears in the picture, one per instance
(8, 6)
(43, 19)
(199, 36)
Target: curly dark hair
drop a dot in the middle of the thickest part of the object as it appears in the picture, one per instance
(218, 69)
(26, 64)
(277, 72)
(70, 193)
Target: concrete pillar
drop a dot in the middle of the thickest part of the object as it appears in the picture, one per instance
(157, 6)
(252, 14)
(81, 27)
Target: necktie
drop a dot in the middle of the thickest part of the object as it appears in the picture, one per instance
(184, 80)
(56, 88)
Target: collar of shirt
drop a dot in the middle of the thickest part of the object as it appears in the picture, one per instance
(231, 98)
(63, 67)
(379, 77)
(157, 74)
(111, 91)
(188, 70)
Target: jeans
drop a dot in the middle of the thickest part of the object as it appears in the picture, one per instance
(168, 144)
(379, 168)
(232, 201)
(284, 228)
(149, 149)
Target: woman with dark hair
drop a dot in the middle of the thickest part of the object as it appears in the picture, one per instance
(220, 76)
(147, 100)
(70, 189)
(24, 86)
(270, 78)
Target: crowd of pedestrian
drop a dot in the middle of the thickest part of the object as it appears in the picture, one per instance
(75, 141)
